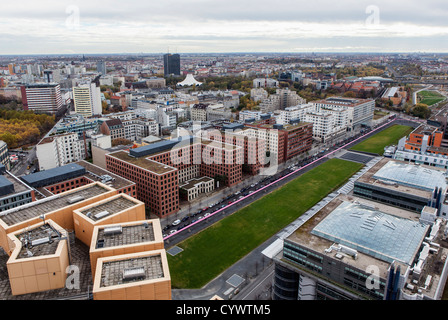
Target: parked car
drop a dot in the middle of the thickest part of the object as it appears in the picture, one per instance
(176, 222)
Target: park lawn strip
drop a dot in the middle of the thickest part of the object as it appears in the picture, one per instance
(387, 137)
(429, 98)
(216, 248)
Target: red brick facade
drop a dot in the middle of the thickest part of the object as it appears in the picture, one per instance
(156, 176)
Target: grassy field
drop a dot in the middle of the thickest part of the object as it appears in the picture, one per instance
(429, 98)
(213, 250)
(387, 137)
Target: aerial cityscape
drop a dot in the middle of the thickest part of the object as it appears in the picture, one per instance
(239, 152)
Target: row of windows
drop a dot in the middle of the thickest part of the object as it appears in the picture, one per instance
(363, 289)
(307, 264)
(303, 252)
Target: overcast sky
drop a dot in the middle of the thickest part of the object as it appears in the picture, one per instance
(134, 26)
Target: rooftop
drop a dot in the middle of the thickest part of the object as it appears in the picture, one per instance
(399, 180)
(373, 232)
(414, 176)
(35, 209)
(109, 207)
(41, 241)
(132, 270)
(153, 166)
(378, 232)
(121, 235)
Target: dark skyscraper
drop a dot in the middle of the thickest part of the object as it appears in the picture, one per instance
(171, 64)
(101, 67)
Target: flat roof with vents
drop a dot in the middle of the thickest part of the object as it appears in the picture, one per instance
(40, 241)
(128, 270)
(159, 146)
(51, 176)
(119, 235)
(111, 206)
(54, 203)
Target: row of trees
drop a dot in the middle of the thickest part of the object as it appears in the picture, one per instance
(19, 128)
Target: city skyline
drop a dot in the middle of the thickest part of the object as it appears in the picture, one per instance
(202, 26)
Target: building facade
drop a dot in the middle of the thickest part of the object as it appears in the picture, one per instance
(42, 98)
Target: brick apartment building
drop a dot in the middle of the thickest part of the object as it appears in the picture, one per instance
(286, 140)
(159, 168)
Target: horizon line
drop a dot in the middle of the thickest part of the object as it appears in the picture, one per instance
(229, 52)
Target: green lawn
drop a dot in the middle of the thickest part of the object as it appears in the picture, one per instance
(429, 98)
(387, 137)
(213, 250)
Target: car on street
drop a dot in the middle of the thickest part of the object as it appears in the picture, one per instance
(176, 222)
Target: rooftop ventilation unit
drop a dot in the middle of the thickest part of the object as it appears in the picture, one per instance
(40, 241)
(75, 199)
(133, 273)
(113, 230)
(101, 214)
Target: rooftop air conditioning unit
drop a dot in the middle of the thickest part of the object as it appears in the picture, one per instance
(113, 230)
(101, 214)
(75, 199)
(40, 241)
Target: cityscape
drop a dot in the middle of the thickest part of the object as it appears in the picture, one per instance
(241, 173)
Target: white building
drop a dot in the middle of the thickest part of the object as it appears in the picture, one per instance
(359, 111)
(217, 112)
(87, 99)
(248, 114)
(328, 122)
(59, 150)
(265, 83)
(282, 99)
(258, 94)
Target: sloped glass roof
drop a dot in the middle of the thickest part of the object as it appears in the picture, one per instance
(412, 175)
(373, 232)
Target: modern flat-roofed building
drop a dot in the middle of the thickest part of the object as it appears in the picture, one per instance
(192, 188)
(4, 155)
(87, 99)
(171, 64)
(403, 185)
(58, 150)
(124, 238)
(39, 259)
(355, 249)
(135, 276)
(289, 141)
(42, 98)
(360, 111)
(158, 168)
(13, 191)
(116, 209)
(426, 138)
(58, 208)
(74, 175)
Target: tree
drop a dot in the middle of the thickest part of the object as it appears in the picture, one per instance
(350, 94)
(421, 110)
